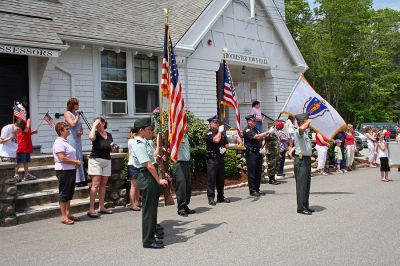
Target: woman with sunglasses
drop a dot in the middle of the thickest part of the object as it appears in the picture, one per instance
(66, 163)
(99, 165)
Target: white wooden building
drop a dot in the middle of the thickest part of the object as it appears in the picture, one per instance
(108, 54)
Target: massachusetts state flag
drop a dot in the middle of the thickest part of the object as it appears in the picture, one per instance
(228, 95)
(304, 99)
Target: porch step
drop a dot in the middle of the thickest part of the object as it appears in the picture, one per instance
(42, 171)
(45, 197)
(38, 185)
(49, 210)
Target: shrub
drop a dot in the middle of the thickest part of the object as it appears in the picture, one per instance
(124, 171)
(231, 163)
(198, 159)
(197, 128)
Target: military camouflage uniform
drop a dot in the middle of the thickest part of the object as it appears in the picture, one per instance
(272, 155)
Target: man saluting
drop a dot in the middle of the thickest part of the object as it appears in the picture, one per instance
(253, 139)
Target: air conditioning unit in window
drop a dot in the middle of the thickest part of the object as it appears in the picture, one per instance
(119, 107)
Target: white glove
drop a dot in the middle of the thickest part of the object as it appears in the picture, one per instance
(221, 128)
(271, 130)
(262, 151)
(222, 150)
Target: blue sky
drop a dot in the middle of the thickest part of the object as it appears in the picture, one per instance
(378, 4)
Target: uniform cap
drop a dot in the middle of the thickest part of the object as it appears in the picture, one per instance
(301, 117)
(142, 122)
(213, 119)
(251, 117)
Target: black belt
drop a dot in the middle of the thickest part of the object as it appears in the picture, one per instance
(182, 161)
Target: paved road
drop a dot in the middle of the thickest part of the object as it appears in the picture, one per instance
(357, 223)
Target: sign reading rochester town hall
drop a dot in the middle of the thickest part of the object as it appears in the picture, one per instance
(51, 51)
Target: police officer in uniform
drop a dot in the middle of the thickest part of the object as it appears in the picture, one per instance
(215, 145)
(183, 178)
(272, 155)
(302, 164)
(253, 142)
(148, 179)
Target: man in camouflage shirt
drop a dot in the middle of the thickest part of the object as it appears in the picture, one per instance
(272, 155)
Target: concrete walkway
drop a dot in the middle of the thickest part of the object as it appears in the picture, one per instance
(357, 222)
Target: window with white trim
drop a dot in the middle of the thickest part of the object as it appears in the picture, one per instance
(146, 83)
(113, 82)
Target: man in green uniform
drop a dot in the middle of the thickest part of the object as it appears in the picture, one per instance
(148, 179)
(183, 178)
(302, 164)
(272, 155)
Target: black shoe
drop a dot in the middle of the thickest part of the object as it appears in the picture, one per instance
(189, 211)
(154, 245)
(310, 210)
(261, 193)
(274, 182)
(305, 212)
(255, 194)
(224, 200)
(183, 213)
(212, 202)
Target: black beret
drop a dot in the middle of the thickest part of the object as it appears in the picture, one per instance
(251, 117)
(142, 122)
(213, 119)
(301, 117)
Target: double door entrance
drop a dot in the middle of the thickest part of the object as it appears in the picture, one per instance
(14, 85)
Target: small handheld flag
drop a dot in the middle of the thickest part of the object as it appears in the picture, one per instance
(19, 111)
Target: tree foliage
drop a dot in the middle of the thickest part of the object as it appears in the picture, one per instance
(353, 54)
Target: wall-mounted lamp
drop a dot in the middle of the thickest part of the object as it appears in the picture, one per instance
(135, 53)
(83, 47)
(101, 49)
(149, 54)
(243, 70)
(117, 50)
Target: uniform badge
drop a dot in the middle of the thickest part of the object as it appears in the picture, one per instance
(247, 130)
(209, 133)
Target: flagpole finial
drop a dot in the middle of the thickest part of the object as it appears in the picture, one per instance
(225, 50)
(166, 11)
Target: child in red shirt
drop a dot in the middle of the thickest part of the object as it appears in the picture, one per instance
(24, 149)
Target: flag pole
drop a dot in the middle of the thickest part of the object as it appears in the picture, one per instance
(222, 107)
(41, 122)
(161, 98)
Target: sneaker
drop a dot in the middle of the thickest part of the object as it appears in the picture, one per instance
(17, 178)
(30, 177)
(339, 172)
(344, 171)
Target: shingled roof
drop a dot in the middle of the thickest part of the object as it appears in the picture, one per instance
(128, 22)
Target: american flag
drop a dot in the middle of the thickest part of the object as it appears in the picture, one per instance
(49, 120)
(177, 115)
(229, 95)
(19, 111)
(165, 65)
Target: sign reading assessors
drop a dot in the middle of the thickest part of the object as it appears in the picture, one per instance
(249, 59)
(8, 49)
